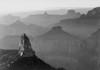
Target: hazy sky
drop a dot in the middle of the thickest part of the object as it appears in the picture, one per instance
(11, 6)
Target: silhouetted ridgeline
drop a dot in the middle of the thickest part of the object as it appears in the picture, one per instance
(83, 26)
(32, 24)
(18, 27)
(40, 19)
(94, 13)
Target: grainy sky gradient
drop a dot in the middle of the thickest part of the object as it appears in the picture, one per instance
(12, 6)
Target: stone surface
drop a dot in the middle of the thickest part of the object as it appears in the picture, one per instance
(25, 48)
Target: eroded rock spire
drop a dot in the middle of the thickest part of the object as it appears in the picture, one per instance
(25, 48)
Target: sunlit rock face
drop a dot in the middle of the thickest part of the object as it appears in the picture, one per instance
(25, 48)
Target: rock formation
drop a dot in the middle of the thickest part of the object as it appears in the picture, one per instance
(26, 59)
(85, 25)
(25, 48)
(94, 13)
(73, 13)
(57, 39)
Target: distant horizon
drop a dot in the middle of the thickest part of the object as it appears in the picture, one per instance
(14, 6)
(12, 17)
(55, 11)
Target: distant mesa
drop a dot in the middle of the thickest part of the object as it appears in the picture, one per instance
(84, 25)
(73, 13)
(57, 28)
(18, 21)
(47, 19)
(45, 13)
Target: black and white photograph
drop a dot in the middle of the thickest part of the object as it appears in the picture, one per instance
(49, 34)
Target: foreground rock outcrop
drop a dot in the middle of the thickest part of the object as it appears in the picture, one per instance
(29, 63)
(26, 58)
